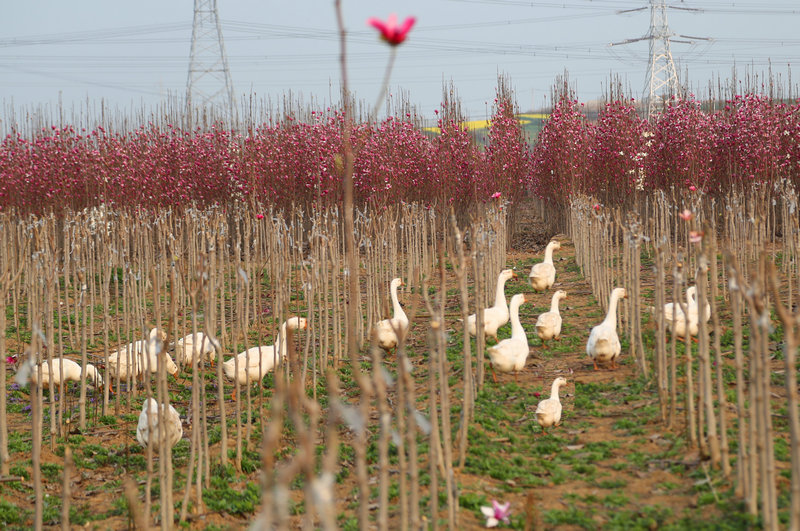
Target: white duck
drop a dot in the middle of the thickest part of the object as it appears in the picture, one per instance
(72, 372)
(603, 345)
(495, 316)
(548, 412)
(385, 330)
(254, 363)
(201, 346)
(548, 325)
(510, 354)
(543, 274)
(134, 358)
(147, 429)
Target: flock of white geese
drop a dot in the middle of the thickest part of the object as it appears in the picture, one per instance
(506, 356)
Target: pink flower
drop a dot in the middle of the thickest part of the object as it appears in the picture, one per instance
(686, 215)
(692, 188)
(596, 206)
(259, 216)
(695, 236)
(390, 31)
(496, 513)
(537, 394)
(496, 195)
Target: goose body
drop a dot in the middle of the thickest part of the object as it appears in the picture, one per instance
(548, 325)
(603, 345)
(385, 331)
(147, 429)
(543, 274)
(256, 362)
(548, 412)
(136, 357)
(198, 345)
(509, 355)
(72, 373)
(678, 324)
(497, 315)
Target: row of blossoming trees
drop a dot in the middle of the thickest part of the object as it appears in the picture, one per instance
(288, 162)
(748, 139)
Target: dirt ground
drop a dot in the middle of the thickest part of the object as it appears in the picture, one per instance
(615, 486)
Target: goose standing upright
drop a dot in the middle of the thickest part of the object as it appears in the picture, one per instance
(603, 345)
(386, 330)
(495, 316)
(548, 325)
(543, 274)
(254, 363)
(548, 412)
(510, 354)
(147, 429)
(676, 320)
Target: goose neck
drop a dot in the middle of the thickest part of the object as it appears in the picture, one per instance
(548, 254)
(554, 389)
(500, 293)
(554, 304)
(611, 316)
(516, 327)
(396, 308)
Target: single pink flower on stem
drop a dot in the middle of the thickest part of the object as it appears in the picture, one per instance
(596, 206)
(686, 215)
(496, 195)
(692, 188)
(259, 216)
(496, 513)
(390, 31)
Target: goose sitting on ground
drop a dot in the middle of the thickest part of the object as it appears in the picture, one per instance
(548, 325)
(386, 331)
(495, 316)
(134, 358)
(254, 363)
(510, 354)
(202, 346)
(72, 372)
(543, 274)
(603, 345)
(147, 429)
(548, 412)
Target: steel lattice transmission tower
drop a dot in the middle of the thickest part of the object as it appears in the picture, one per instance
(661, 74)
(209, 80)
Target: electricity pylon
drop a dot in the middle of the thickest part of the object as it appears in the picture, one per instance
(661, 74)
(209, 81)
(661, 79)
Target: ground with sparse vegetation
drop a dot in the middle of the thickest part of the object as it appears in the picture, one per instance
(612, 464)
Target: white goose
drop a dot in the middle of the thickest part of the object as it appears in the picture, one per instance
(603, 345)
(385, 330)
(200, 346)
(134, 358)
(548, 325)
(254, 363)
(72, 373)
(147, 429)
(543, 274)
(510, 354)
(548, 412)
(495, 316)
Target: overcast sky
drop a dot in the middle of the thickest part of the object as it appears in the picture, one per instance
(134, 53)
